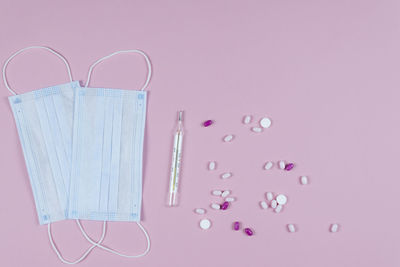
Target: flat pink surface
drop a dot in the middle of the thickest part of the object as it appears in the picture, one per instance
(326, 72)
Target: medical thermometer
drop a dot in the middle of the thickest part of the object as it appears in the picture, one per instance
(176, 163)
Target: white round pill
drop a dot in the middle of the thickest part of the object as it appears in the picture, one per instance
(278, 208)
(282, 165)
(217, 192)
(281, 199)
(304, 180)
(205, 224)
(225, 193)
(200, 211)
(229, 199)
(269, 196)
(226, 175)
(263, 205)
(265, 122)
(291, 228)
(268, 165)
(211, 165)
(215, 206)
(228, 138)
(256, 129)
(334, 227)
(274, 204)
(247, 119)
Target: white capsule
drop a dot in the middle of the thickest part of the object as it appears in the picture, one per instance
(215, 206)
(263, 205)
(205, 224)
(217, 192)
(291, 228)
(229, 199)
(265, 122)
(334, 227)
(228, 138)
(256, 129)
(304, 180)
(200, 211)
(278, 208)
(225, 193)
(274, 204)
(268, 165)
(211, 165)
(281, 199)
(226, 175)
(269, 196)
(247, 119)
(282, 165)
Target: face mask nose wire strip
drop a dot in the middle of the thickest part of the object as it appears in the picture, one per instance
(15, 93)
(149, 73)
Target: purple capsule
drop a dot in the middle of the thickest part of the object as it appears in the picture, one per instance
(289, 166)
(248, 231)
(236, 226)
(225, 205)
(207, 123)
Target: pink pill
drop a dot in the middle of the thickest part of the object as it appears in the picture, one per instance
(207, 123)
(236, 226)
(248, 231)
(225, 205)
(289, 166)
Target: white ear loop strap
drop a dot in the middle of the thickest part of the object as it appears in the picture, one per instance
(149, 71)
(114, 251)
(84, 254)
(27, 48)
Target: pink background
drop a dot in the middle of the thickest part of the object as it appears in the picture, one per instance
(326, 72)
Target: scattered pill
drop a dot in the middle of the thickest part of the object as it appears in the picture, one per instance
(268, 165)
(304, 180)
(289, 166)
(247, 119)
(256, 129)
(334, 228)
(207, 123)
(263, 205)
(228, 138)
(225, 205)
(274, 204)
(248, 231)
(281, 199)
(226, 175)
(265, 122)
(269, 196)
(282, 165)
(278, 208)
(200, 211)
(211, 165)
(230, 199)
(291, 228)
(236, 226)
(205, 224)
(217, 192)
(225, 193)
(215, 206)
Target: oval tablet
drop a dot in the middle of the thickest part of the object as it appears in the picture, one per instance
(215, 206)
(217, 192)
(269, 196)
(211, 165)
(265, 122)
(230, 199)
(278, 208)
(304, 180)
(291, 228)
(334, 228)
(281, 199)
(226, 175)
(247, 119)
(268, 165)
(256, 129)
(225, 193)
(200, 211)
(205, 224)
(228, 138)
(263, 205)
(248, 231)
(282, 165)
(274, 204)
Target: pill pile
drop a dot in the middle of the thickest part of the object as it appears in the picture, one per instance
(264, 123)
(226, 200)
(276, 203)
